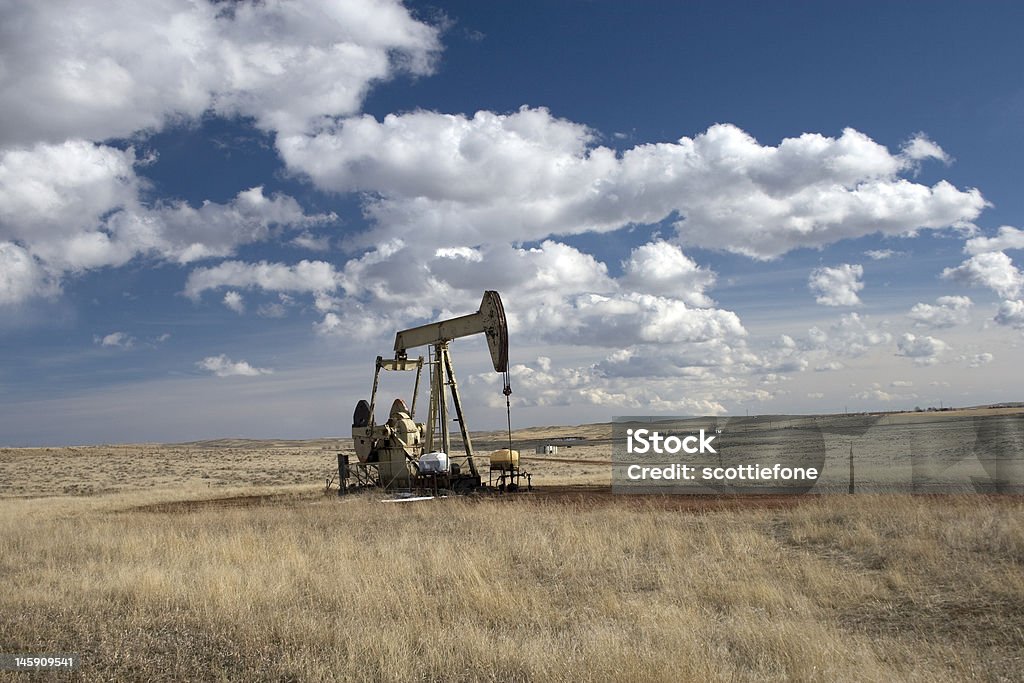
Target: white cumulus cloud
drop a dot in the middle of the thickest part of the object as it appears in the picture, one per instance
(454, 180)
(851, 336)
(882, 254)
(837, 286)
(97, 70)
(948, 311)
(222, 366)
(77, 206)
(1011, 314)
(1008, 237)
(305, 276)
(978, 359)
(543, 384)
(920, 147)
(74, 75)
(234, 301)
(923, 349)
(662, 268)
(876, 393)
(994, 270)
(552, 292)
(119, 340)
(21, 276)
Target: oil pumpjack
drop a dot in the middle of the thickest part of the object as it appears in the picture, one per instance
(404, 454)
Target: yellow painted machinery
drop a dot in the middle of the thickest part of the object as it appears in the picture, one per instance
(401, 453)
(505, 472)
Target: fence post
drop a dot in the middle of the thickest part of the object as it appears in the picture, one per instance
(851, 468)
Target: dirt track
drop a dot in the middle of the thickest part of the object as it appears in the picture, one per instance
(242, 501)
(583, 495)
(569, 495)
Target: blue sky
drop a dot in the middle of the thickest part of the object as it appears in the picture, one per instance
(214, 217)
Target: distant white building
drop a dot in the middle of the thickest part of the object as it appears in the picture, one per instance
(547, 449)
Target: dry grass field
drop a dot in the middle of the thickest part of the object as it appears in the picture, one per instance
(226, 561)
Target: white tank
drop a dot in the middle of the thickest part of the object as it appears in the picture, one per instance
(434, 463)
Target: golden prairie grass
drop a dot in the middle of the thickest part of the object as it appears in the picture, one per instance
(90, 470)
(214, 466)
(509, 589)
